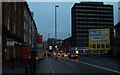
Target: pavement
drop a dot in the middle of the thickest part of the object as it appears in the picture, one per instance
(19, 69)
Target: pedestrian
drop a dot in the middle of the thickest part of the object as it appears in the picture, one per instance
(48, 54)
(55, 57)
(13, 63)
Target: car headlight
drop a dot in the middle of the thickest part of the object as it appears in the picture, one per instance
(29, 57)
(36, 58)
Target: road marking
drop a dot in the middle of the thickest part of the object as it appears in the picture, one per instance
(64, 62)
(50, 67)
(94, 65)
(105, 62)
(99, 67)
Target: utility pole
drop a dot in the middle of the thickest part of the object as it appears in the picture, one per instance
(56, 24)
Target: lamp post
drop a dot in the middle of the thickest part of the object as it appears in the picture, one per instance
(56, 23)
(69, 42)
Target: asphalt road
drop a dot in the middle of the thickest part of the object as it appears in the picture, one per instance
(111, 64)
(62, 65)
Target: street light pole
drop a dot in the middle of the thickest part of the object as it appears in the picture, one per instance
(56, 22)
(56, 25)
(69, 42)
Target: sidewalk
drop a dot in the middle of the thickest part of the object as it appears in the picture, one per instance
(19, 68)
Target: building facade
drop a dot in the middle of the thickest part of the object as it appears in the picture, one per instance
(117, 40)
(90, 15)
(17, 22)
(66, 45)
(118, 11)
(53, 44)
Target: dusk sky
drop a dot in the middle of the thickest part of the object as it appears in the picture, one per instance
(44, 15)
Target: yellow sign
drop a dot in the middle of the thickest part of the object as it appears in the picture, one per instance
(99, 39)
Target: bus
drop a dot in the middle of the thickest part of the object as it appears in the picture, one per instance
(39, 52)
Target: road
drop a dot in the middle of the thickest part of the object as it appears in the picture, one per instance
(63, 65)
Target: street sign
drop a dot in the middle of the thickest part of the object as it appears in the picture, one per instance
(10, 43)
(50, 47)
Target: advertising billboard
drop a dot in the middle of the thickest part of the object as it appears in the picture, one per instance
(39, 38)
(99, 39)
(26, 53)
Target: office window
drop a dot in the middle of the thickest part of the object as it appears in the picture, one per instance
(107, 45)
(15, 6)
(98, 45)
(14, 28)
(94, 45)
(8, 23)
(103, 45)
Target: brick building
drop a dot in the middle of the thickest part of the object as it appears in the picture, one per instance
(18, 29)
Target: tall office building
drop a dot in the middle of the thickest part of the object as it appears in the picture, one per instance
(90, 15)
(119, 11)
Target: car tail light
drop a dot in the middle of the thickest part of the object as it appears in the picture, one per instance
(77, 55)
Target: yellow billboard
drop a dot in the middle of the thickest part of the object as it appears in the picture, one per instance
(99, 39)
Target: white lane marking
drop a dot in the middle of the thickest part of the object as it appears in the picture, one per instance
(99, 67)
(94, 65)
(50, 66)
(107, 63)
(64, 62)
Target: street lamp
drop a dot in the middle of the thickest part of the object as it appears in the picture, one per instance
(56, 24)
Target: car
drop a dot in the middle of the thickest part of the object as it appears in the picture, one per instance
(58, 54)
(65, 55)
(74, 56)
(62, 54)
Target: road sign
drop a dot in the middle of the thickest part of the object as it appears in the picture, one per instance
(99, 39)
